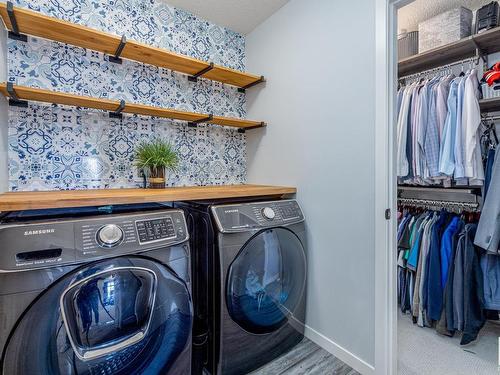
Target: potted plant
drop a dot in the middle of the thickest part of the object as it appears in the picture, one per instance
(154, 158)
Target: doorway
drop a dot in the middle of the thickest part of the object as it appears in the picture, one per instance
(404, 347)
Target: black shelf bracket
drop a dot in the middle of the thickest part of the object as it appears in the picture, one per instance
(194, 77)
(14, 33)
(118, 112)
(13, 98)
(116, 58)
(193, 124)
(243, 89)
(243, 130)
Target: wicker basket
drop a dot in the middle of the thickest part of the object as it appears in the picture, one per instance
(407, 44)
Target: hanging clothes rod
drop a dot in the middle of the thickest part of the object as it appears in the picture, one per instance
(437, 204)
(463, 195)
(490, 118)
(471, 60)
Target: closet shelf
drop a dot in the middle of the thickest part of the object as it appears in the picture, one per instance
(37, 24)
(490, 105)
(15, 201)
(487, 42)
(23, 93)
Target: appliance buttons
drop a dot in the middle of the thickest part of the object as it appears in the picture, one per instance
(109, 235)
(268, 213)
(155, 230)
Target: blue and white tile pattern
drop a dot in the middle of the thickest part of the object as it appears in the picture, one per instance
(55, 147)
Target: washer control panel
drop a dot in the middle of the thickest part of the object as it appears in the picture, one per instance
(249, 216)
(155, 230)
(41, 244)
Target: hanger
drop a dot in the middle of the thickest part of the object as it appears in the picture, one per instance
(462, 73)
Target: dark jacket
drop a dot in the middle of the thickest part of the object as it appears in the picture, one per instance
(474, 316)
(434, 301)
(446, 323)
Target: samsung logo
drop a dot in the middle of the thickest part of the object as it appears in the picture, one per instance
(231, 211)
(39, 231)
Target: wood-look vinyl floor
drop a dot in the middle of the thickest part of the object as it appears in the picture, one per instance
(307, 358)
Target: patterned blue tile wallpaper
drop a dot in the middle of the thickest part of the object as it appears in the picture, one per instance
(55, 147)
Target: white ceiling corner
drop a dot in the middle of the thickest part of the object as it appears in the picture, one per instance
(241, 16)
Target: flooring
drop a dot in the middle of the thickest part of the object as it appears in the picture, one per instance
(423, 351)
(307, 358)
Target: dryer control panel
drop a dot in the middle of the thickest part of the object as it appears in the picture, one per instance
(250, 216)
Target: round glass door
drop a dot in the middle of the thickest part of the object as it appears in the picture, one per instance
(266, 281)
(118, 316)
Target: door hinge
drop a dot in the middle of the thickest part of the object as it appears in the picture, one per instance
(388, 214)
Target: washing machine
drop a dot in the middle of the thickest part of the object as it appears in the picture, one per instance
(253, 258)
(88, 291)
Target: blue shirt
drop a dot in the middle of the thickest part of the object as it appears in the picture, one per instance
(431, 145)
(447, 147)
(415, 249)
(446, 249)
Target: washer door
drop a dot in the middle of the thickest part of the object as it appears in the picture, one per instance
(120, 316)
(266, 281)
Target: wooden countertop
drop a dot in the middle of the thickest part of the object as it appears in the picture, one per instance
(16, 201)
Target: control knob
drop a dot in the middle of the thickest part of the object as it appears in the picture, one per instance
(268, 213)
(109, 235)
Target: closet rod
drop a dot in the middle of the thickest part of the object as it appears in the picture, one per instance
(463, 195)
(491, 118)
(431, 204)
(440, 68)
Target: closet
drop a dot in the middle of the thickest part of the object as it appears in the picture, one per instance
(448, 174)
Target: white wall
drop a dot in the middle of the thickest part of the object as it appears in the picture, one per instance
(4, 126)
(318, 57)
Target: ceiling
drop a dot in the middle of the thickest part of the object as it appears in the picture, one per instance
(421, 10)
(238, 15)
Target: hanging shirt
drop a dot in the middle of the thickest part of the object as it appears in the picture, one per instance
(420, 133)
(442, 93)
(446, 150)
(471, 119)
(459, 172)
(432, 134)
(415, 118)
(402, 131)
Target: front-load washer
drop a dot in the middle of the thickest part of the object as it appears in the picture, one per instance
(253, 256)
(95, 294)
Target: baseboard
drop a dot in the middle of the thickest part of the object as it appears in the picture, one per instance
(338, 351)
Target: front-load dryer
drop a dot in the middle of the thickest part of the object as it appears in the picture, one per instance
(253, 256)
(103, 294)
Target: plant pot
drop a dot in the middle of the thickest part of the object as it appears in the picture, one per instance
(156, 178)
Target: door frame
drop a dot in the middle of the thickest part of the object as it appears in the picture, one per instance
(386, 185)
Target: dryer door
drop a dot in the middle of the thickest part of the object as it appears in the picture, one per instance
(266, 281)
(120, 316)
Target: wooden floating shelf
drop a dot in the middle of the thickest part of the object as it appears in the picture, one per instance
(16, 201)
(490, 105)
(488, 42)
(47, 96)
(37, 24)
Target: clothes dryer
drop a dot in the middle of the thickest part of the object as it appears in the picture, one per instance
(253, 256)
